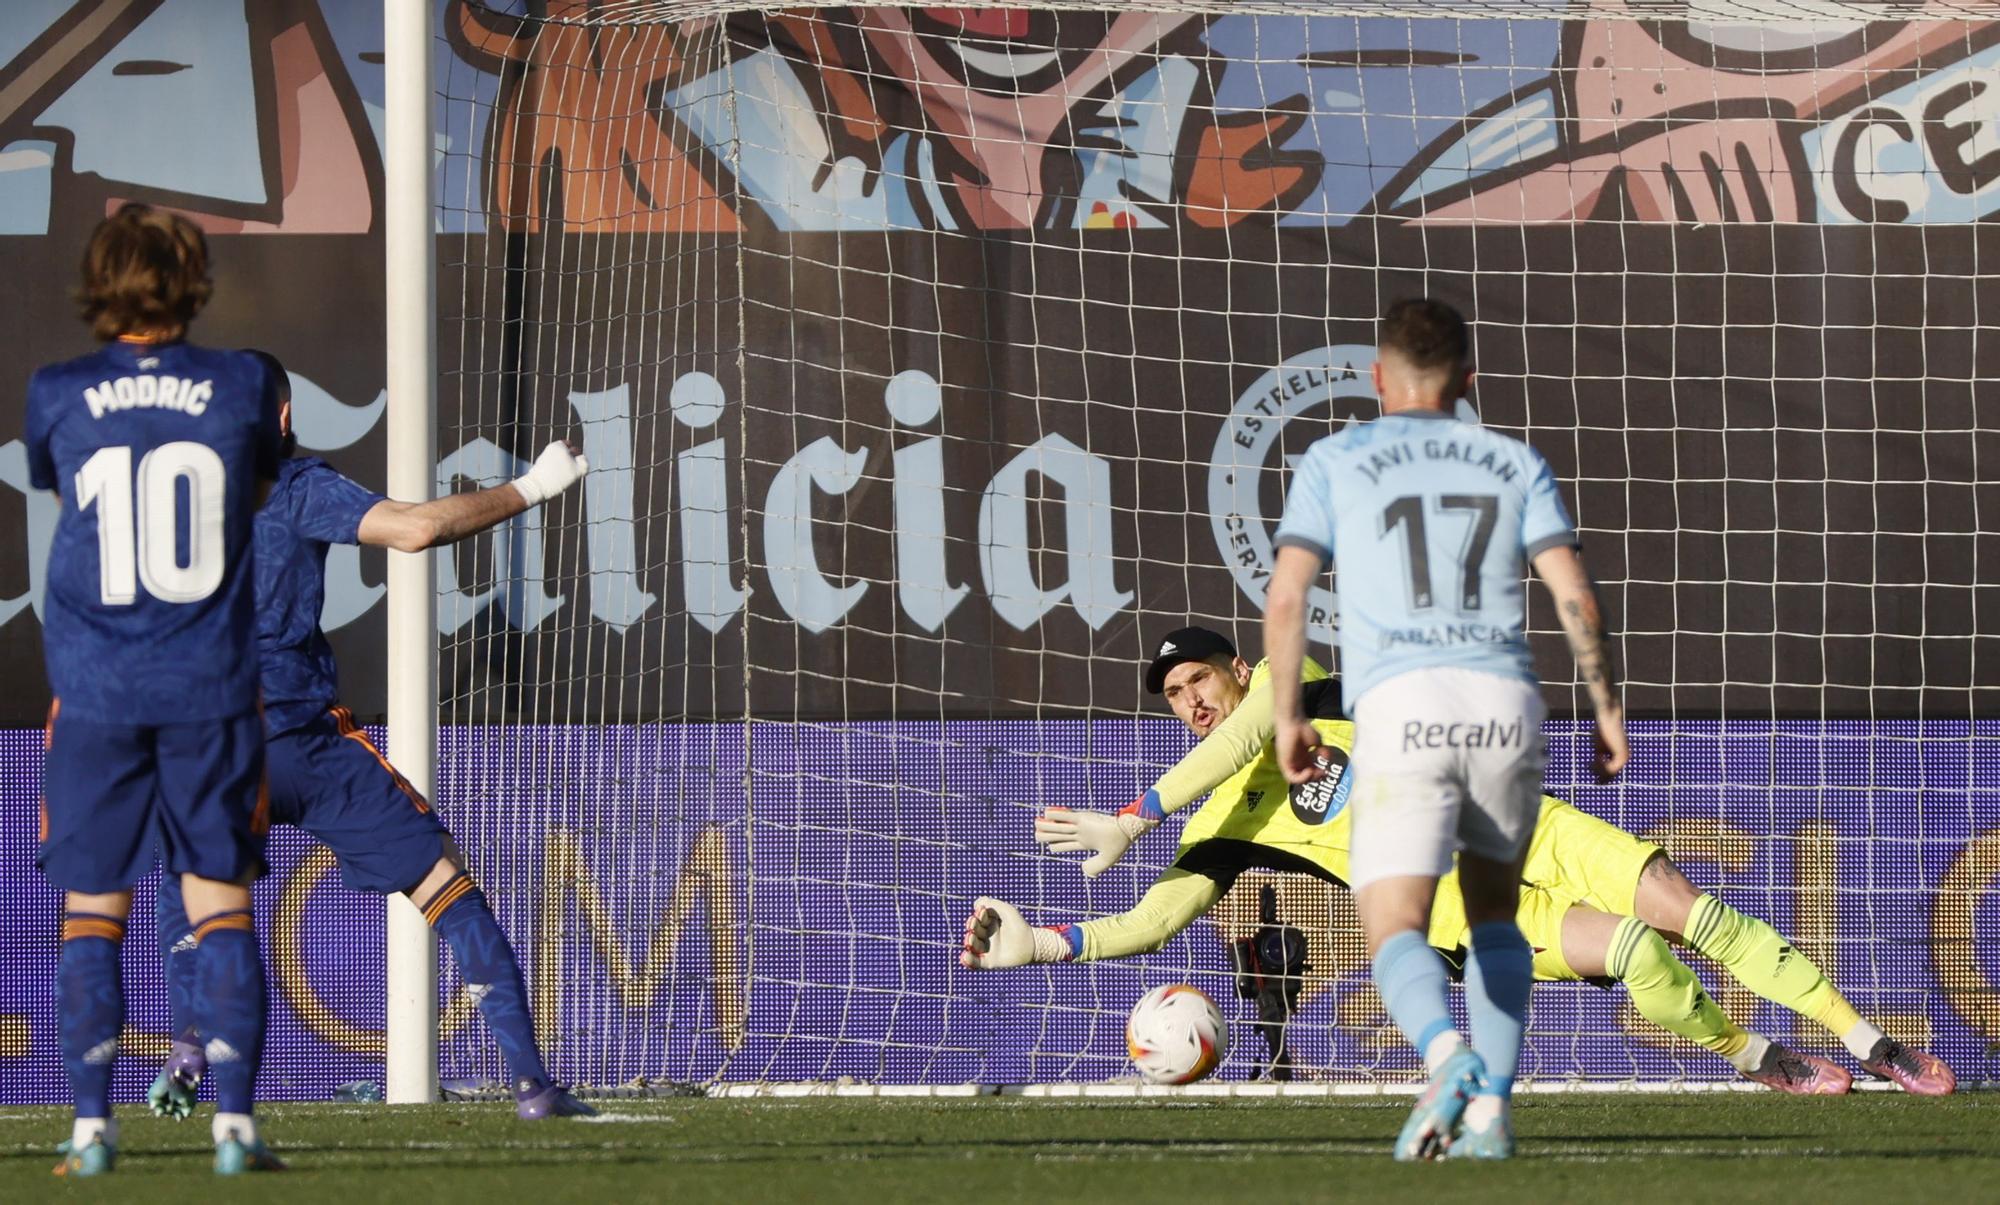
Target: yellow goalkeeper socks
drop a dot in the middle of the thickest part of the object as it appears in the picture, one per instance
(1667, 993)
(1763, 961)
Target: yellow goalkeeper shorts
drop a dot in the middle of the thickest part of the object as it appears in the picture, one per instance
(1573, 859)
(1540, 917)
(1576, 854)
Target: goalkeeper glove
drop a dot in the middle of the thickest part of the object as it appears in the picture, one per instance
(555, 470)
(1106, 838)
(996, 937)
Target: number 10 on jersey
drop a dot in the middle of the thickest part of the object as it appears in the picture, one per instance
(138, 521)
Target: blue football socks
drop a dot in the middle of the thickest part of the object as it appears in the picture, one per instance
(178, 957)
(459, 914)
(1499, 972)
(1411, 978)
(229, 1006)
(90, 1001)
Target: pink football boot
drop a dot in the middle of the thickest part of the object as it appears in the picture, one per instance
(1910, 1069)
(1800, 1074)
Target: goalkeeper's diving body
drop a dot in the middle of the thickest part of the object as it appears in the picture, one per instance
(1595, 901)
(326, 777)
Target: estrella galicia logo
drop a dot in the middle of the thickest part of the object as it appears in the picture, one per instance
(1317, 802)
(1249, 456)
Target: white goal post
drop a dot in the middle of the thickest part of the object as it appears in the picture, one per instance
(410, 308)
(933, 362)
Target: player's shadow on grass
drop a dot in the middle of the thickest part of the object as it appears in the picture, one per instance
(741, 1151)
(1731, 1146)
(1678, 1137)
(347, 1158)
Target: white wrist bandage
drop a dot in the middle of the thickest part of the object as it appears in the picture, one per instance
(554, 471)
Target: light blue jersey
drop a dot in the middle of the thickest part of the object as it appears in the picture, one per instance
(1432, 522)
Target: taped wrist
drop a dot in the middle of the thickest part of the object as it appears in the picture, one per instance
(531, 490)
(1057, 944)
(554, 471)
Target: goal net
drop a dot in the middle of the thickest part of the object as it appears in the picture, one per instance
(932, 363)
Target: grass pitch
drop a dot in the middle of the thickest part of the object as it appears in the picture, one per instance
(1617, 1150)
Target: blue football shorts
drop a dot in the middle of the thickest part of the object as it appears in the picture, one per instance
(328, 778)
(115, 795)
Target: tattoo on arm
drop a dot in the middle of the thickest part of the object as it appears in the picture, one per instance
(1585, 628)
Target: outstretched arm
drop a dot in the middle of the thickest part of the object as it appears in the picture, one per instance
(1170, 905)
(996, 936)
(1106, 836)
(1562, 571)
(415, 526)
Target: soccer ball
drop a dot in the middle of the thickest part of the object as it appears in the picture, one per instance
(1176, 1035)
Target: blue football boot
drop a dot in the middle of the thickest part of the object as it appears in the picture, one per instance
(1495, 1140)
(93, 1160)
(1438, 1109)
(234, 1157)
(534, 1100)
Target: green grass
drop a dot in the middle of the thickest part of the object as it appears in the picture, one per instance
(1613, 1150)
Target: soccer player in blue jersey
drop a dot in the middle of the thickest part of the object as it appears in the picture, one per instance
(1432, 522)
(326, 776)
(161, 452)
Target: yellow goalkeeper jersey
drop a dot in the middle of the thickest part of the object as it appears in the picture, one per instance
(1573, 857)
(1255, 802)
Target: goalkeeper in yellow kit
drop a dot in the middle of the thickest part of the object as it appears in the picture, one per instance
(1595, 900)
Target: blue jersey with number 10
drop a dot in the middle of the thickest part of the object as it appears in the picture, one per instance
(150, 614)
(1431, 522)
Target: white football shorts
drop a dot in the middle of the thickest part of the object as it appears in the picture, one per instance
(1444, 759)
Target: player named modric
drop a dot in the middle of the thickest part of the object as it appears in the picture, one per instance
(161, 452)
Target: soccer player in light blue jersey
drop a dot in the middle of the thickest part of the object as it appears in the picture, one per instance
(1432, 522)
